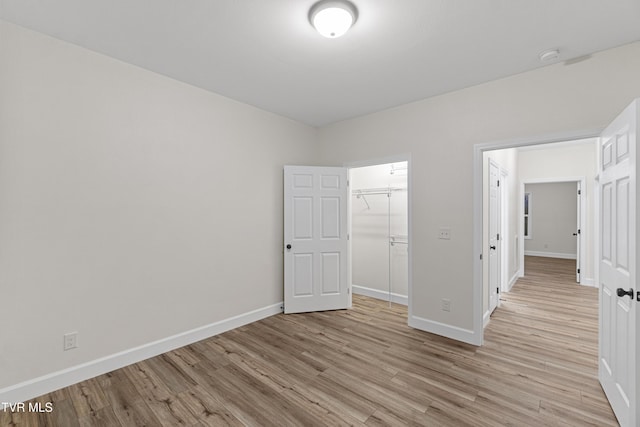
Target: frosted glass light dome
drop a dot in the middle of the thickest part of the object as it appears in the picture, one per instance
(332, 18)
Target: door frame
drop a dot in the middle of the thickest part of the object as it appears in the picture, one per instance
(583, 219)
(477, 253)
(374, 162)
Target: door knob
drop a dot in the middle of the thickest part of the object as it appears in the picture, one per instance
(289, 247)
(492, 247)
(622, 292)
(575, 234)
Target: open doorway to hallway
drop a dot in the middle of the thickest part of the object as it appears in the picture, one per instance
(531, 219)
(613, 242)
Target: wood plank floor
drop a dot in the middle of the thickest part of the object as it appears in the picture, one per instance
(364, 366)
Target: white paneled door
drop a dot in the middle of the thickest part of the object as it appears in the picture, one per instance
(315, 239)
(618, 262)
(494, 236)
(578, 232)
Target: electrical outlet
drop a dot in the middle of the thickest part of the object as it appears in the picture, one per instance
(446, 304)
(70, 341)
(444, 233)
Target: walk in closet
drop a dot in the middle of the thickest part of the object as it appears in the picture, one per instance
(379, 224)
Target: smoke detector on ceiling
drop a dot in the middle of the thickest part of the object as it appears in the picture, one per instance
(549, 55)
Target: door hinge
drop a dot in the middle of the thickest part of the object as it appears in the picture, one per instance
(348, 291)
(497, 290)
(578, 231)
(347, 183)
(498, 183)
(579, 192)
(498, 236)
(480, 256)
(578, 271)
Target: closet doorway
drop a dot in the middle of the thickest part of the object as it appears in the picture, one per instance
(380, 231)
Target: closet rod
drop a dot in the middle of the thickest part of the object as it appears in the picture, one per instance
(369, 193)
(366, 191)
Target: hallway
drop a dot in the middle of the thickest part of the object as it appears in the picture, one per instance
(548, 324)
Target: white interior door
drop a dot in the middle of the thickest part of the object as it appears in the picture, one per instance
(494, 235)
(617, 261)
(505, 246)
(315, 239)
(578, 231)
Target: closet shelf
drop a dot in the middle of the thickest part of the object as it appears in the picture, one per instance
(399, 236)
(363, 192)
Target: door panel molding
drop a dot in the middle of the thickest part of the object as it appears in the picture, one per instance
(315, 239)
(618, 261)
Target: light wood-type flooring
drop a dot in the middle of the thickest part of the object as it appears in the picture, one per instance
(364, 366)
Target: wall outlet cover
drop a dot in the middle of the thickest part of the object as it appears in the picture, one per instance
(70, 341)
(444, 233)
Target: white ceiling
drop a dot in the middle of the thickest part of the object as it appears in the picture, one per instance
(265, 53)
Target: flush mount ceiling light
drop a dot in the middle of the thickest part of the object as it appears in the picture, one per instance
(333, 18)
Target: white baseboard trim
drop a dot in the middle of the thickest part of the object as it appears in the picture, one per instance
(513, 281)
(550, 254)
(588, 281)
(485, 319)
(448, 331)
(66, 377)
(375, 293)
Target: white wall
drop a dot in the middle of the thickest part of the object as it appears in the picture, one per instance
(133, 207)
(370, 232)
(440, 133)
(553, 219)
(570, 160)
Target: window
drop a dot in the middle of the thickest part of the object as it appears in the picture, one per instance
(527, 215)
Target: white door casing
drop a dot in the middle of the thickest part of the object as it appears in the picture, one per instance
(617, 265)
(494, 230)
(315, 239)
